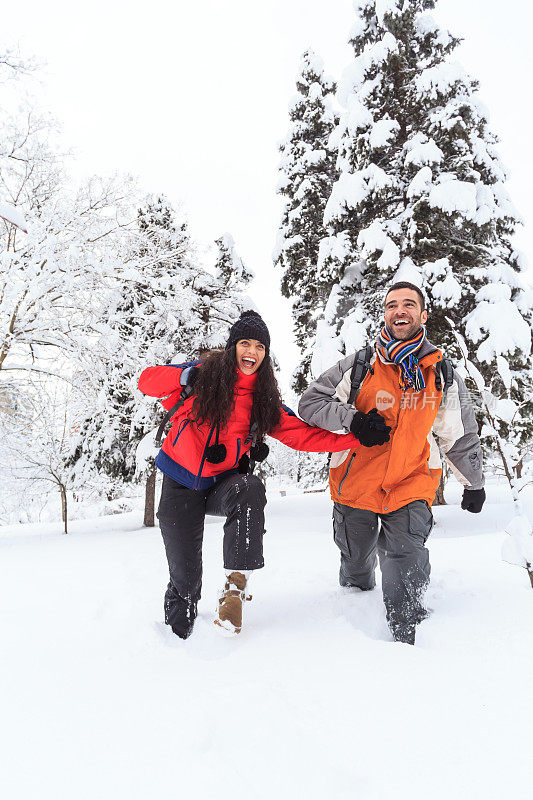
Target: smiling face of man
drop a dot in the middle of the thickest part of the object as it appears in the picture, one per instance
(403, 313)
(250, 355)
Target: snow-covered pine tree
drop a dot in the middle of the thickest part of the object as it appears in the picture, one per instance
(146, 316)
(230, 269)
(421, 197)
(223, 298)
(165, 308)
(307, 170)
(218, 303)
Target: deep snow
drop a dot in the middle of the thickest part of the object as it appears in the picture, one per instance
(99, 700)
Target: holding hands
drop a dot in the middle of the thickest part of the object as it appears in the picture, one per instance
(370, 428)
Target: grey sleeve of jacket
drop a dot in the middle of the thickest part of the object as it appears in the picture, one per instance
(325, 403)
(457, 429)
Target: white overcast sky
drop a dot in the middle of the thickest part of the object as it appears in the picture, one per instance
(192, 96)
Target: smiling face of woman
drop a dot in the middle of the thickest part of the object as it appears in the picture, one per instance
(250, 355)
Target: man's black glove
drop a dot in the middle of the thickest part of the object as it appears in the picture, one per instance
(473, 500)
(370, 428)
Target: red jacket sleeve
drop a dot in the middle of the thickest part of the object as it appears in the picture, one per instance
(160, 381)
(297, 434)
(164, 381)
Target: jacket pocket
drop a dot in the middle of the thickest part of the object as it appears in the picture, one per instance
(339, 532)
(346, 473)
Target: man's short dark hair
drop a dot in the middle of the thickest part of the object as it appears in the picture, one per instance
(407, 285)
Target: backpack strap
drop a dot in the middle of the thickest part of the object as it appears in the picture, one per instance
(443, 375)
(252, 437)
(252, 434)
(186, 392)
(361, 365)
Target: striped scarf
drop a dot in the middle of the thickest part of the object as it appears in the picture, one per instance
(403, 354)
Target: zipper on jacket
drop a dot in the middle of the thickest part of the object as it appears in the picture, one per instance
(346, 473)
(180, 431)
(197, 479)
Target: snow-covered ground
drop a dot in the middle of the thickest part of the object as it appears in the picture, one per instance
(99, 700)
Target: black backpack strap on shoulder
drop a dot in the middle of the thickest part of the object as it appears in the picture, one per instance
(443, 375)
(252, 437)
(185, 393)
(252, 434)
(361, 365)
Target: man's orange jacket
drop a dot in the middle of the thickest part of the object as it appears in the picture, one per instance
(408, 467)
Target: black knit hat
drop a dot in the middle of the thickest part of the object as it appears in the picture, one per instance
(249, 326)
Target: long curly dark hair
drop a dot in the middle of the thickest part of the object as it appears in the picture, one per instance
(214, 390)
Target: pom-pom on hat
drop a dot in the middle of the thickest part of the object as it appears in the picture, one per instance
(250, 326)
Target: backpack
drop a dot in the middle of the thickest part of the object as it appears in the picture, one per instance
(361, 365)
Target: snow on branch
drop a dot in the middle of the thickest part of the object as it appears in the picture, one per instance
(12, 215)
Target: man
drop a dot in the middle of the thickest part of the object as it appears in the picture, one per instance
(382, 494)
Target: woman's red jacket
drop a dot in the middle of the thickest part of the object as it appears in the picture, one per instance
(182, 456)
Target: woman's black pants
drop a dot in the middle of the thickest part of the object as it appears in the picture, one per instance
(239, 498)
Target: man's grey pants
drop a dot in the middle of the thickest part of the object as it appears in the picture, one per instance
(403, 558)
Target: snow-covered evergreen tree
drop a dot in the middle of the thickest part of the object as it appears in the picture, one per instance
(166, 308)
(229, 268)
(307, 170)
(135, 320)
(421, 196)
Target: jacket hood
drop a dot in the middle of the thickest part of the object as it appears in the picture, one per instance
(428, 348)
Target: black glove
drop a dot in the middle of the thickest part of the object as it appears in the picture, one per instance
(473, 500)
(192, 376)
(259, 452)
(370, 428)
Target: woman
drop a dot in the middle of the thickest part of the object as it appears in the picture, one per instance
(205, 459)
